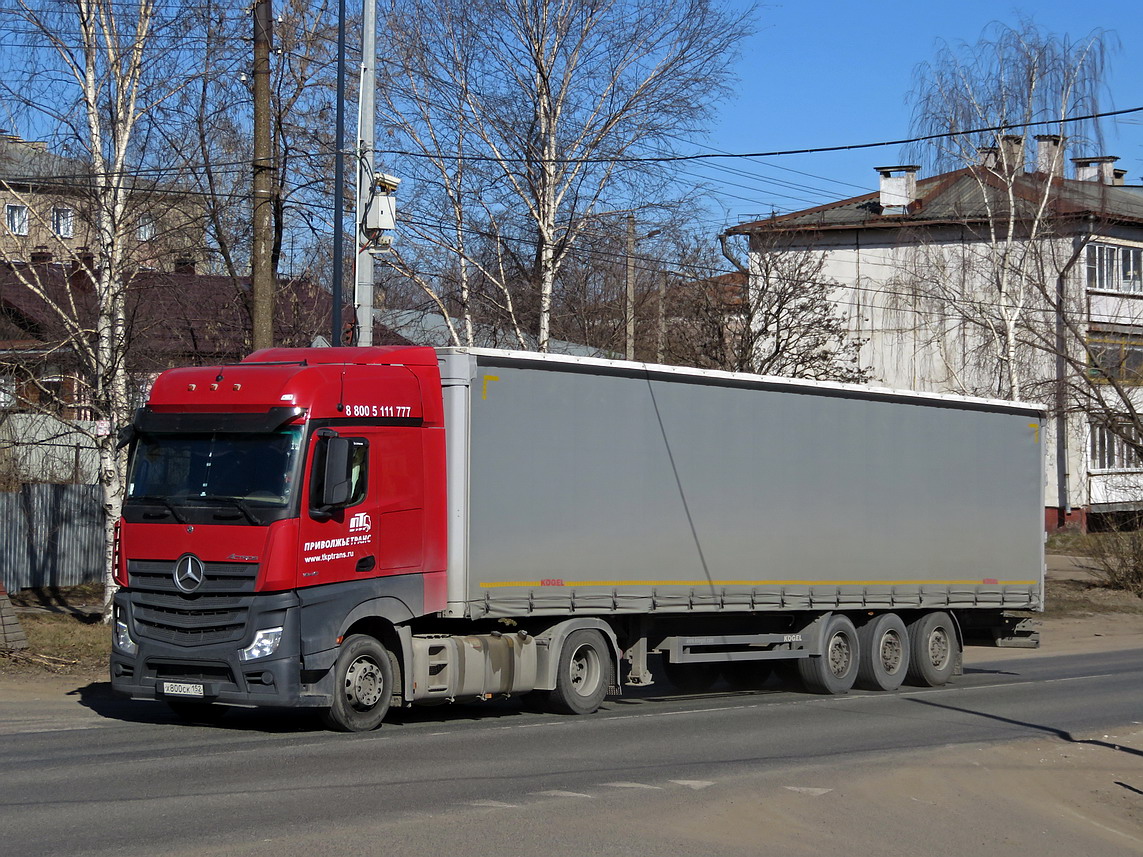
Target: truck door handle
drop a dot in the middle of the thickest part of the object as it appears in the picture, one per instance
(367, 563)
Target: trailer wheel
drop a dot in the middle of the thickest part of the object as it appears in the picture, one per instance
(197, 711)
(884, 645)
(691, 678)
(933, 650)
(583, 674)
(835, 670)
(363, 685)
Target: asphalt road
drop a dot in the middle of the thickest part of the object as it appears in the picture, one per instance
(647, 775)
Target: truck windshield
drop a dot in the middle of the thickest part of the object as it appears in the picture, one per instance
(241, 469)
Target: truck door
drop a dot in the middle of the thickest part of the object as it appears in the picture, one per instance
(373, 524)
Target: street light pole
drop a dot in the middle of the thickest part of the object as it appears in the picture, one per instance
(363, 291)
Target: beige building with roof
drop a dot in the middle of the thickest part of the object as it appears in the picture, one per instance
(1004, 279)
(45, 213)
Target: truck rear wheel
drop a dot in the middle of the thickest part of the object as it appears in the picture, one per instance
(835, 670)
(583, 673)
(933, 650)
(884, 646)
(363, 685)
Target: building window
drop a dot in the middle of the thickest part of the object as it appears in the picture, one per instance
(146, 228)
(53, 393)
(1116, 446)
(1115, 269)
(63, 222)
(1117, 356)
(7, 392)
(16, 218)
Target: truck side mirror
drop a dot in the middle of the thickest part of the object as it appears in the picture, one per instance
(334, 475)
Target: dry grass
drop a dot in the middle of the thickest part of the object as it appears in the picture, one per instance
(61, 637)
(1076, 598)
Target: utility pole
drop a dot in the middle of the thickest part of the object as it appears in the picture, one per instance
(363, 292)
(261, 261)
(661, 337)
(629, 314)
(337, 334)
(630, 306)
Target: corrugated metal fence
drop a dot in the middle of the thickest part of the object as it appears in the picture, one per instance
(51, 535)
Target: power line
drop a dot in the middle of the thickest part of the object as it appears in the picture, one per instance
(706, 156)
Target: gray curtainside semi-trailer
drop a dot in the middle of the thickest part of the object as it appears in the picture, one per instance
(468, 523)
(726, 521)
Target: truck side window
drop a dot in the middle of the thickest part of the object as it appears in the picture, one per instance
(359, 470)
(344, 462)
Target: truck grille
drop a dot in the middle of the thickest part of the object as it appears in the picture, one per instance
(216, 613)
(158, 576)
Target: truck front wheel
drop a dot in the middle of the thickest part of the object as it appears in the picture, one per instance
(583, 673)
(363, 685)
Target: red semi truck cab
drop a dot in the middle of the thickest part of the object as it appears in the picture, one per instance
(266, 501)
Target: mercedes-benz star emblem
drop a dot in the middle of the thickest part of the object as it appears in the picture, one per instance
(189, 572)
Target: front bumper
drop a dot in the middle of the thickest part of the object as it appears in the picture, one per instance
(275, 680)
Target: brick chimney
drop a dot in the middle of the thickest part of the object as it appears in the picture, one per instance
(898, 188)
(40, 255)
(184, 265)
(1050, 155)
(81, 270)
(1012, 153)
(1099, 169)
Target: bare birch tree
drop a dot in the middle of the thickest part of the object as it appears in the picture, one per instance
(533, 113)
(1016, 81)
(93, 78)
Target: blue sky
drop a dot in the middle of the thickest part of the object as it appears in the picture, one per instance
(822, 73)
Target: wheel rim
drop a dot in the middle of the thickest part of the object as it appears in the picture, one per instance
(364, 684)
(892, 652)
(585, 669)
(840, 654)
(939, 648)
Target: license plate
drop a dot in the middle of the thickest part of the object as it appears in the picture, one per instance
(182, 688)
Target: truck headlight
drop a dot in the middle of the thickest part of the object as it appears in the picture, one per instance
(265, 644)
(123, 640)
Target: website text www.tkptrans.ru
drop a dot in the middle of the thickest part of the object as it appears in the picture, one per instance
(326, 544)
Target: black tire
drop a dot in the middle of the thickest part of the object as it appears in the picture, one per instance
(934, 650)
(197, 711)
(884, 645)
(691, 678)
(583, 674)
(363, 685)
(835, 670)
(746, 675)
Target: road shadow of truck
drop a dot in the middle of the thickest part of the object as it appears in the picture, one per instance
(102, 700)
